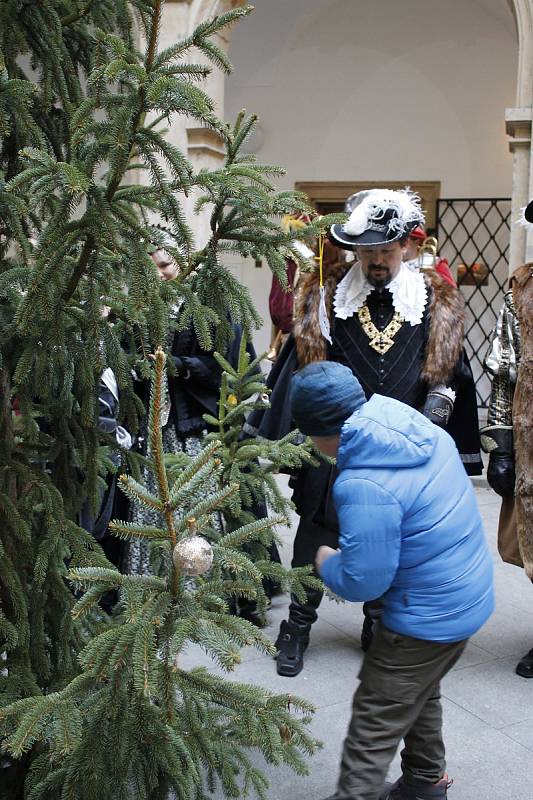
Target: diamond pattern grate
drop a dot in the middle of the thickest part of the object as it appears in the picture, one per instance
(473, 235)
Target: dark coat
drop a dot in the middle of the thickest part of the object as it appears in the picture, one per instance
(195, 386)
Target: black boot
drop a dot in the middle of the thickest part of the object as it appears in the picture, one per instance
(247, 609)
(292, 643)
(410, 789)
(525, 665)
(367, 633)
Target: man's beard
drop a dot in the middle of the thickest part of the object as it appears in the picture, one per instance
(379, 280)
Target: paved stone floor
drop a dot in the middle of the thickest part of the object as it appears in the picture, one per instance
(488, 710)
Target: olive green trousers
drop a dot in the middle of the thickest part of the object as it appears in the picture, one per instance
(398, 698)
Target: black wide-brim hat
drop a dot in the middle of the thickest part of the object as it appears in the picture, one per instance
(378, 233)
(528, 212)
(377, 217)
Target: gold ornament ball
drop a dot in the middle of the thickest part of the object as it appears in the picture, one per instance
(193, 556)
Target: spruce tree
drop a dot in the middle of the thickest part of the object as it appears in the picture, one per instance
(252, 464)
(82, 111)
(134, 723)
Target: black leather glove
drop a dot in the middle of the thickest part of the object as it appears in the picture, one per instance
(439, 405)
(179, 366)
(498, 442)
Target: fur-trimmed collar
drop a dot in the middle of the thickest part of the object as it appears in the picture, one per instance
(446, 329)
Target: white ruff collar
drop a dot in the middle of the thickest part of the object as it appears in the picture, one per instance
(408, 289)
(413, 264)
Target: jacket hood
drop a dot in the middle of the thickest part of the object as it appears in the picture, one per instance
(386, 433)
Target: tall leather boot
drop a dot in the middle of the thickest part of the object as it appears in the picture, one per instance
(291, 643)
(293, 636)
(367, 631)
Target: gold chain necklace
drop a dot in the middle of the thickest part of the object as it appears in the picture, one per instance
(381, 341)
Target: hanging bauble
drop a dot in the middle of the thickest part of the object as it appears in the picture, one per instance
(193, 555)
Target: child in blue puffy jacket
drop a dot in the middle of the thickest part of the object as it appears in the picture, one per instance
(411, 535)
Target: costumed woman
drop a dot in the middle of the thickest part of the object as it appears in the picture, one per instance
(193, 391)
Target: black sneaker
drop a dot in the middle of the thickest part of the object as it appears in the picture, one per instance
(525, 665)
(405, 789)
(291, 643)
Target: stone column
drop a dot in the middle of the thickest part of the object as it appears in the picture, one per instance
(202, 146)
(519, 127)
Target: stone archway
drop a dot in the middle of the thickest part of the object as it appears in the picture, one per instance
(186, 14)
(518, 120)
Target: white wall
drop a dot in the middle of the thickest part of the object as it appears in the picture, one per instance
(378, 90)
(352, 89)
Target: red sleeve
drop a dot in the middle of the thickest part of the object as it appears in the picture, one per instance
(443, 268)
(281, 302)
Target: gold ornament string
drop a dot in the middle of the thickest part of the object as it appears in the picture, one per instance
(320, 257)
(323, 319)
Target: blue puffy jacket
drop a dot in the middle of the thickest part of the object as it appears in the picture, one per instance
(410, 529)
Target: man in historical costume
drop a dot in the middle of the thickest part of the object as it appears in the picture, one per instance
(508, 435)
(401, 334)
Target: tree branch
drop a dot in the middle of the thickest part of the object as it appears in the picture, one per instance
(76, 15)
(80, 267)
(117, 178)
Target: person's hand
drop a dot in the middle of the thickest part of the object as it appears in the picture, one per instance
(501, 474)
(439, 405)
(497, 440)
(322, 554)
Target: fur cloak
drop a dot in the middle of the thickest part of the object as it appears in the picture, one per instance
(446, 326)
(444, 359)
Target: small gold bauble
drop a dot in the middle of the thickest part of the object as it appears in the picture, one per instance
(193, 555)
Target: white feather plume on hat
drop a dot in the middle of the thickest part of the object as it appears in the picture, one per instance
(374, 203)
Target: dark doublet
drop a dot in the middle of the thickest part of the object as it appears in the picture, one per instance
(395, 373)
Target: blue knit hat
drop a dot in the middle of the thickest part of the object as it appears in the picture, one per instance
(323, 395)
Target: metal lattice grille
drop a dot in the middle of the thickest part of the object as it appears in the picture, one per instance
(474, 236)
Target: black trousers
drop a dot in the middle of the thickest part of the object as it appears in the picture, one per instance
(309, 537)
